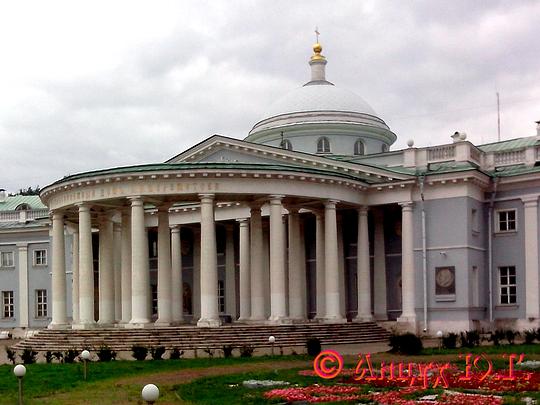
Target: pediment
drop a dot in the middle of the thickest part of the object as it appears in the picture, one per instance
(221, 149)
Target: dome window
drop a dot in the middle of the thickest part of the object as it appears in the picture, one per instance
(323, 145)
(359, 148)
(285, 144)
(384, 148)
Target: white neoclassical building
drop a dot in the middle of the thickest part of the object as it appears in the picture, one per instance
(309, 218)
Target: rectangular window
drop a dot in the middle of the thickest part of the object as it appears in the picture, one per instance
(507, 285)
(154, 299)
(41, 303)
(506, 220)
(6, 259)
(40, 257)
(474, 221)
(221, 296)
(7, 302)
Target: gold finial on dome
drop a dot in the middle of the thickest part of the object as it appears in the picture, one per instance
(317, 47)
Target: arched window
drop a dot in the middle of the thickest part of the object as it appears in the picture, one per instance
(359, 148)
(384, 148)
(323, 145)
(22, 207)
(286, 144)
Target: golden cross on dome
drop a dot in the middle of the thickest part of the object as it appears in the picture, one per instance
(317, 33)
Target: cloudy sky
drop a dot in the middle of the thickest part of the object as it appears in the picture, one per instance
(96, 84)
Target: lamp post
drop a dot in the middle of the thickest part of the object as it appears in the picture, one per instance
(150, 393)
(440, 335)
(272, 340)
(19, 372)
(85, 356)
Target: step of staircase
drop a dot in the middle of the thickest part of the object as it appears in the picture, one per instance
(190, 337)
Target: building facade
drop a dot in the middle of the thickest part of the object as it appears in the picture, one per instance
(311, 218)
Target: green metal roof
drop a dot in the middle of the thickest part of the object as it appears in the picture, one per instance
(12, 202)
(511, 144)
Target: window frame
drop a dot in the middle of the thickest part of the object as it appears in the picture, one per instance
(497, 218)
(507, 286)
(2, 264)
(9, 305)
(323, 145)
(35, 261)
(357, 149)
(41, 309)
(221, 296)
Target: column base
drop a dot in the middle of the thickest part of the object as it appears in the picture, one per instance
(407, 318)
(381, 317)
(208, 323)
(161, 324)
(84, 325)
(363, 318)
(298, 320)
(106, 324)
(279, 320)
(335, 320)
(138, 325)
(59, 326)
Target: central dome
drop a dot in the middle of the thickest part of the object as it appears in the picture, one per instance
(319, 97)
(322, 118)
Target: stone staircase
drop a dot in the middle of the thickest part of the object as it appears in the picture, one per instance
(192, 338)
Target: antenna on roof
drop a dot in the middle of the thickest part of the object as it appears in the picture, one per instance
(498, 118)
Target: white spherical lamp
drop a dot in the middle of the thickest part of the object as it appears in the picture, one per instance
(439, 334)
(410, 143)
(150, 393)
(19, 371)
(462, 136)
(85, 355)
(272, 340)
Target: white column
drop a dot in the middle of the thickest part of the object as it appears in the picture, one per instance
(297, 270)
(75, 277)
(278, 309)
(126, 267)
(245, 279)
(177, 296)
(196, 293)
(379, 267)
(532, 305)
(257, 269)
(407, 264)
(341, 268)
(230, 272)
(22, 249)
(331, 263)
(106, 271)
(164, 287)
(59, 318)
(320, 278)
(209, 275)
(86, 269)
(362, 268)
(117, 266)
(140, 275)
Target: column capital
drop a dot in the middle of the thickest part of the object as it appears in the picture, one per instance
(136, 200)
(164, 207)
(242, 221)
(105, 216)
(363, 210)
(292, 209)
(406, 205)
(530, 201)
(276, 198)
(56, 214)
(330, 204)
(206, 197)
(22, 245)
(175, 228)
(83, 206)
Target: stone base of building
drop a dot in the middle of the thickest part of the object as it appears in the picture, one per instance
(162, 324)
(58, 326)
(334, 320)
(363, 318)
(208, 323)
(279, 321)
(139, 325)
(85, 325)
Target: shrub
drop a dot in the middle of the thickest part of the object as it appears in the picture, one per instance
(496, 337)
(105, 353)
(470, 338)
(511, 335)
(157, 352)
(176, 353)
(49, 356)
(227, 351)
(209, 352)
(11, 355)
(139, 352)
(59, 356)
(407, 343)
(246, 351)
(313, 346)
(70, 356)
(530, 336)
(449, 341)
(28, 356)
